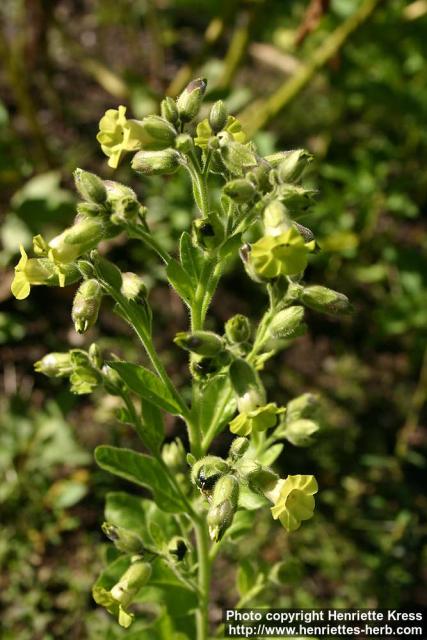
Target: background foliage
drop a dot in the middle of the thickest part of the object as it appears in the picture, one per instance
(361, 112)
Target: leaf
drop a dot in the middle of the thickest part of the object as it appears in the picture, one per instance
(242, 523)
(249, 500)
(246, 575)
(191, 257)
(153, 432)
(218, 405)
(231, 245)
(180, 280)
(144, 471)
(269, 456)
(146, 384)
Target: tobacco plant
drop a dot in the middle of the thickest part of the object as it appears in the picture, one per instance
(245, 204)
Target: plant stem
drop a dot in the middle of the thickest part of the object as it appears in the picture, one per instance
(204, 575)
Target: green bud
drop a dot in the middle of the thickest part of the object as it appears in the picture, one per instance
(275, 159)
(293, 165)
(206, 472)
(238, 448)
(174, 456)
(276, 219)
(117, 190)
(237, 157)
(86, 305)
(95, 356)
(294, 197)
(190, 100)
(306, 405)
(90, 187)
(90, 209)
(169, 110)
(178, 548)
(327, 300)
(106, 270)
(203, 366)
(238, 329)
(125, 209)
(55, 365)
(300, 432)
(223, 506)
(260, 175)
(218, 116)
(240, 190)
(206, 234)
(112, 381)
(152, 163)
(133, 286)
(131, 582)
(183, 142)
(124, 540)
(203, 343)
(161, 132)
(288, 323)
(258, 477)
(78, 239)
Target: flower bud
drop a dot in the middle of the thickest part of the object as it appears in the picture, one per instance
(218, 116)
(238, 329)
(133, 286)
(125, 209)
(206, 472)
(178, 548)
(112, 381)
(55, 365)
(80, 238)
(223, 506)
(293, 165)
(240, 190)
(153, 163)
(237, 157)
(131, 582)
(183, 142)
(90, 186)
(95, 356)
(300, 432)
(159, 131)
(288, 323)
(174, 456)
(238, 448)
(190, 100)
(203, 343)
(304, 406)
(86, 305)
(276, 219)
(206, 234)
(117, 190)
(259, 478)
(169, 110)
(89, 209)
(124, 540)
(327, 300)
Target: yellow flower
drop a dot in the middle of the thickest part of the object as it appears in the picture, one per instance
(285, 254)
(293, 500)
(38, 271)
(259, 419)
(118, 135)
(232, 126)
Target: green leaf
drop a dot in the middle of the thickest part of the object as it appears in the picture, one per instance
(180, 280)
(246, 575)
(143, 470)
(269, 456)
(146, 384)
(125, 510)
(231, 245)
(191, 257)
(153, 432)
(219, 404)
(249, 500)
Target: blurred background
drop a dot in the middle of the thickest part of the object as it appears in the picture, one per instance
(343, 78)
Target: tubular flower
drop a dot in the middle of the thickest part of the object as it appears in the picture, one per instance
(293, 500)
(38, 271)
(205, 132)
(286, 254)
(260, 419)
(118, 135)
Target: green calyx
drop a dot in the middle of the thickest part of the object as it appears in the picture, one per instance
(152, 163)
(223, 506)
(190, 100)
(202, 343)
(238, 329)
(86, 305)
(90, 187)
(124, 540)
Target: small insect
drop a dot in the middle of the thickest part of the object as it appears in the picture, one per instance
(207, 471)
